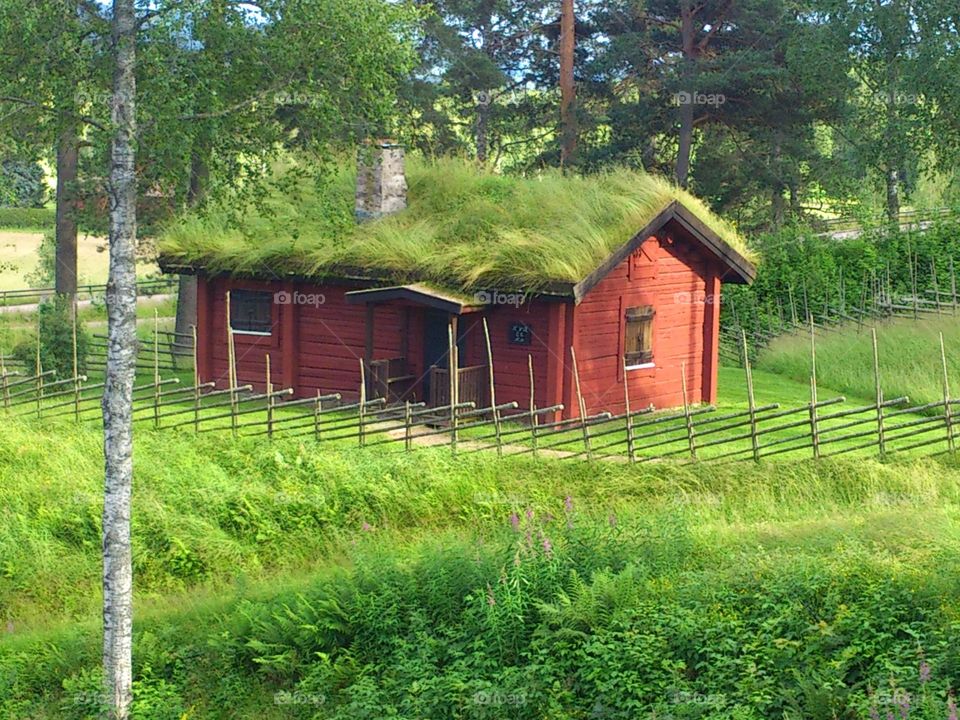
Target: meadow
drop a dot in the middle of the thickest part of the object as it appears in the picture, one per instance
(287, 581)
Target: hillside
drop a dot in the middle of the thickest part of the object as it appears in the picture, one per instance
(284, 581)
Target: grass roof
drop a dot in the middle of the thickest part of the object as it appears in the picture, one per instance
(464, 228)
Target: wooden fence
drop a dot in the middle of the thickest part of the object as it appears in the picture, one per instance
(818, 428)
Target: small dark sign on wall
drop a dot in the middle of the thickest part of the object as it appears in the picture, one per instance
(520, 334)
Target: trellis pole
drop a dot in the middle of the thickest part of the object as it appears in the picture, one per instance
(752, 405)
(688, 418)
(631, 455)
(493, 391)
(947, 412)
(582, 406)
(881, 436)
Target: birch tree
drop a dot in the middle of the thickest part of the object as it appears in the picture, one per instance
(121, 367)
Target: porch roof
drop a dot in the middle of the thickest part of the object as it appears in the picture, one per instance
(421, 294)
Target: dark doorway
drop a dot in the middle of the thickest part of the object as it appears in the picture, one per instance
(436, 344)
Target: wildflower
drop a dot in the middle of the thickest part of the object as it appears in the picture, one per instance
(529, 514)
(903, 704)
(568, 503)
(924, 672)
(366, 527)
(548, 518)
(952, 707)
(874, 713)
(515, 521)
(547, 547)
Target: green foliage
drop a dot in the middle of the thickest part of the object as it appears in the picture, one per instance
(56, 340)
(464, 227)
(21, 184)
(27, 218)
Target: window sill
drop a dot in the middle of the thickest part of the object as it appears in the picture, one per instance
(641, 366)
(256, 333)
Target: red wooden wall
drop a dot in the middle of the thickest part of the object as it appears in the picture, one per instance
(682, 284)
(318, 346)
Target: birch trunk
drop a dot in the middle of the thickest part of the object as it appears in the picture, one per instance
(121, 362)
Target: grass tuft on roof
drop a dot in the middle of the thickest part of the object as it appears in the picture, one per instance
(464, 229)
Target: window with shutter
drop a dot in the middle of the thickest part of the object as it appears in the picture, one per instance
(638, 342)
(251, 311)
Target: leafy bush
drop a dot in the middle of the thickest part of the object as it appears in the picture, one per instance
(27, 218)
(56, 340)
(21, 184)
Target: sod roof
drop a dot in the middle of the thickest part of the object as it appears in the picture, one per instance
(464, 229)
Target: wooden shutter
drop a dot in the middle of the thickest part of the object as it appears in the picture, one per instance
(638, 340)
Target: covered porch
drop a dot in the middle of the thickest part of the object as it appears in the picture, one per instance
(436, 348)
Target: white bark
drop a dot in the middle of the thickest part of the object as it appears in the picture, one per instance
(121, 365)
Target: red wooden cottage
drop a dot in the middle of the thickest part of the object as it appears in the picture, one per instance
(642, 308)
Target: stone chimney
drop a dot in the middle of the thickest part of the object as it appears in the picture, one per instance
(381, 182)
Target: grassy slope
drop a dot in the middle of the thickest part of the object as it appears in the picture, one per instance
(909, 352)
(228, 533)
(464, 228)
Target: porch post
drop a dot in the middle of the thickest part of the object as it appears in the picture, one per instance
(368, 345)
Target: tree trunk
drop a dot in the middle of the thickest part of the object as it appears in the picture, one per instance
(121, 366)
(778, 203)
(187, 284)
(483, 117)
(687, 96)
(568, 97)
(65, 267)
(893, 196)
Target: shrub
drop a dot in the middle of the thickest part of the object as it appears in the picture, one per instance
(56, 340)
(27, 218)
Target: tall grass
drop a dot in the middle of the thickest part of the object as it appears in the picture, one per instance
(909, 352)
(463, 228)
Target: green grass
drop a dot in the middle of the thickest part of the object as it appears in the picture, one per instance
(909, 354)
(366, 579)
(465, 228)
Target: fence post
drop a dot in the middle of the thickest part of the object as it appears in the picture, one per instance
(691, 438)
(936, 285)
(631, 455)
(754, 440)
(881, 437)
(232, 370)
(493, 391)
(953, 287)
(316, 417)
(814, 425)
(269, 400)
(453, 373)
(76, 363)
(156, 368)
(5, 381)
(39, 369)
(582, 406)
(407, 430)
(196, 382)
(363, 405)
(534, 420)
(947, 412)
